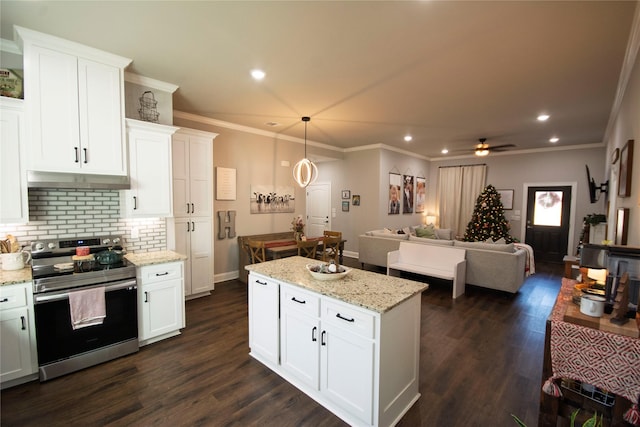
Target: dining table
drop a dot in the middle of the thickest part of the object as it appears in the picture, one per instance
(281, 248)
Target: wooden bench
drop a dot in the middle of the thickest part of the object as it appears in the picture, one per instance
(442, 262)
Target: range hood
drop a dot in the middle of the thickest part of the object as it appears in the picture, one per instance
(36, 179)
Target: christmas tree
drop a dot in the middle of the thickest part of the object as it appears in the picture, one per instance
(488, 221)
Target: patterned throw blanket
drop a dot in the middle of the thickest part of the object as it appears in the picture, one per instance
(530, 265)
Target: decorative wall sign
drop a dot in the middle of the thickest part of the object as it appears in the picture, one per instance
(395, 180)
(421, 194)
(346, 194)
(226, 224)
(624, 176)
(270, 199)
(225, 183)
(506, 197)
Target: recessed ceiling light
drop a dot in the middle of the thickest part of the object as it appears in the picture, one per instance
(444, 151)
(408, 138)
(543, 117)
(554, 139)
(257, 74)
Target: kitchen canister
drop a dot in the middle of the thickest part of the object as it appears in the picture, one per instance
(592, 305)
(15, 260)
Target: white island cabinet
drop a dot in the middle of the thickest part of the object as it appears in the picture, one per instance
(352, 345)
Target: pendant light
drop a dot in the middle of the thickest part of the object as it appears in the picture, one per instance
(305, 171)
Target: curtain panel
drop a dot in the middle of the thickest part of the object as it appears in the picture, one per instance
(458, 189)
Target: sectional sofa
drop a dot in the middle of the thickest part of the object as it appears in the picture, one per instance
(490, 265)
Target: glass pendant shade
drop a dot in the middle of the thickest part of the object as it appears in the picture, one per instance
(305, 171)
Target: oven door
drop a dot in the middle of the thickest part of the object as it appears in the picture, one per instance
(56, 338)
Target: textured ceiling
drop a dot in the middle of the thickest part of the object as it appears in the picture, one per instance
(446, 72)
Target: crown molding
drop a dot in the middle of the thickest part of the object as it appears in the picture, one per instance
(228, 125)
(520, 152)
(9, 46)
(149, 82)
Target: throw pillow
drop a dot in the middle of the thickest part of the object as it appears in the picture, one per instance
(429, 232)
(444, 233)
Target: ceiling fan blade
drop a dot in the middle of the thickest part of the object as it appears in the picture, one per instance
(500, 147)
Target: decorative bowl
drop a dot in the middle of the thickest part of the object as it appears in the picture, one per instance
(314, 270)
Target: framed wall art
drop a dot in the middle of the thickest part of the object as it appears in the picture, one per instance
(421, 193)
(346, 194)
(355, 201)
(395, 181)
(345, 206)
(622, 226)
(506, 197)
(407, 194)
(624, 173)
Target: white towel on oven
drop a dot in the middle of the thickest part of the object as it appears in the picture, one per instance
(87, 307)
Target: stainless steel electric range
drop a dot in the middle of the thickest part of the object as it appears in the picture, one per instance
(61, 348)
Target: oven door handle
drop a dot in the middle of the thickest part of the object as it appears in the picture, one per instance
(49, 297)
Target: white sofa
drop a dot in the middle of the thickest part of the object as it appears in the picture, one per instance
(489, 265)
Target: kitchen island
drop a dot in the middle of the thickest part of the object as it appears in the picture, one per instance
(352, 344)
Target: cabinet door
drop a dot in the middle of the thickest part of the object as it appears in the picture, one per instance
(14, 207)
(15, 351)
(161, 309)
(347, 371)
(101, 120)
(52, 100)
(150, 165)
(200, 176)
(264, 329)
(180, 168)
(179, 240)
(201, 254)
(300, 346)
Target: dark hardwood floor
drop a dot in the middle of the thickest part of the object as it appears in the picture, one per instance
(480, 361)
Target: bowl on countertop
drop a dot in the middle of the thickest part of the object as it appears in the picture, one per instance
(318, 272)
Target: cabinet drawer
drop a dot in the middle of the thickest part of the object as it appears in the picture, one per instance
(347, 317)
(13, 296)
(160, 272)
(297, 299)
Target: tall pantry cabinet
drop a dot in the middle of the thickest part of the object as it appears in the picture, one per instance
(190, 230)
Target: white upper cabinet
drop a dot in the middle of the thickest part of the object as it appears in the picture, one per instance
(74, 96)
(14, 205)
(150, 170)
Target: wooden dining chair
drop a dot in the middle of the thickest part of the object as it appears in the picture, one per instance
(307, 248)
(329, 233)
(330, 248)
(256, 250)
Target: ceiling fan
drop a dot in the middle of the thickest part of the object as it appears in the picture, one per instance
(482, 149)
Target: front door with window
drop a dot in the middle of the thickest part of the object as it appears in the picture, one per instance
(548, 221)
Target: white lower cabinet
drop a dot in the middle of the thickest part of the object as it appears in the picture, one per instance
(264, 331)
(359, 364)
(160, 301)
(18, 354)
(193, 237)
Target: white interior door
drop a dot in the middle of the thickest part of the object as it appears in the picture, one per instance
(318, 209)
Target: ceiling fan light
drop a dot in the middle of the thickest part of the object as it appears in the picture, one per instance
(482, 152)
(305, 172)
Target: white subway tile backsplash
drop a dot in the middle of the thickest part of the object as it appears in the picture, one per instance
(60, 214)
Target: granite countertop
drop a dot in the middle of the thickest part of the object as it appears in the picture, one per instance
(158, 257)
(12, 277)
(373, 291)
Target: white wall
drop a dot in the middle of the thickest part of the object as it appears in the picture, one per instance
(626, 126)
